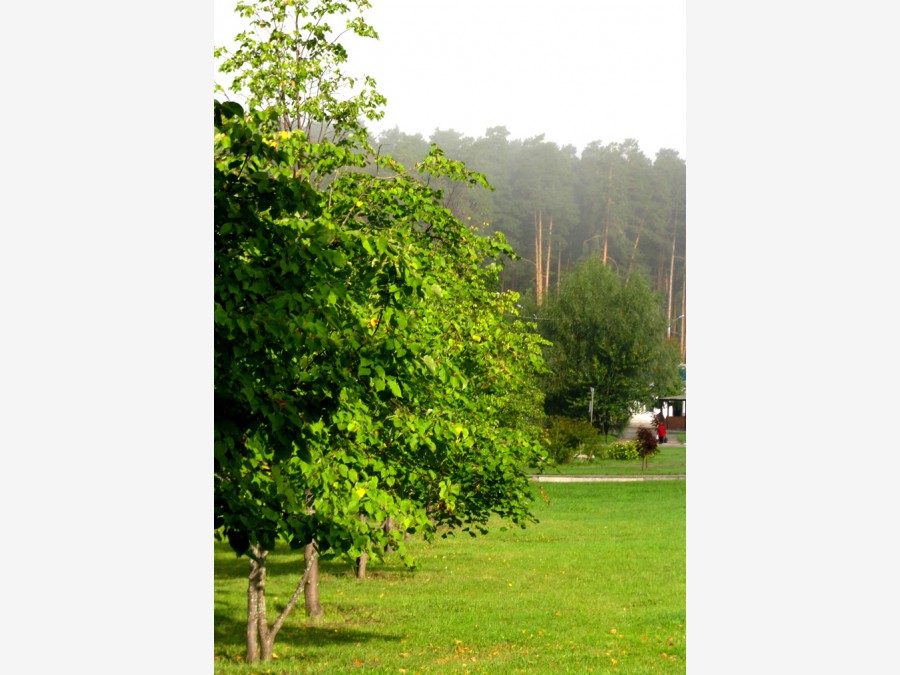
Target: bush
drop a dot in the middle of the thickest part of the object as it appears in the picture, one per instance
(622, 450)
(647, 445)
(569, 437)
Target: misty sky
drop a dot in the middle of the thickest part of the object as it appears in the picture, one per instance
(574, 70)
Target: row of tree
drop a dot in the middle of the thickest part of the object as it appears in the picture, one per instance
(556, 207)
(373, 374)
(368, 383)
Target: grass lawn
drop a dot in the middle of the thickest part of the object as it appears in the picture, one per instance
(669, 461)
(597, 586)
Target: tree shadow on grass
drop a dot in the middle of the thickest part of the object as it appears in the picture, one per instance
(230, 636)
(230, 620)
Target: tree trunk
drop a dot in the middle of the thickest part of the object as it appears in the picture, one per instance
(634, 251)
(361, 566)
(311, 591)
(253, 590)
(363, 559)
(259, 643)
(683, 318)
(547, 269)
(609, 202)
(671, 284)
(538, 250)
(388, 527)
(558, 268)
(260, 637)
(265, 641)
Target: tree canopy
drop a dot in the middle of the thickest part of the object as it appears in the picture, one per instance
(608, 335)
(612, 200)
(370, 364)
(366, 368)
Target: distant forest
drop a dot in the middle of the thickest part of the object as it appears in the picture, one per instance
(555, 207)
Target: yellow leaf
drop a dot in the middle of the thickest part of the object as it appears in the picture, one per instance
(361, 491)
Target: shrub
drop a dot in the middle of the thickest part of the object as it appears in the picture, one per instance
(569, 437)
(622, 450)
(647, 445)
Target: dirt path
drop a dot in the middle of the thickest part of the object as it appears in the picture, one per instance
(602, 479)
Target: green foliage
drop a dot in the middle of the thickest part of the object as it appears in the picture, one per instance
(606, 334)
(365, 366)
(612, 196)
(568, 437)
(626, 450)
(361, 359)
(289, 63)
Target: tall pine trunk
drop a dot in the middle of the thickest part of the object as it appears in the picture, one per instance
(558, 268)
(538, 251)
(634, 250)
(547, 269)
(609, 203)
(671, 284)
(683, 318)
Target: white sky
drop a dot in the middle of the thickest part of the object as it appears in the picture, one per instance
(794, 139)
(574, 70)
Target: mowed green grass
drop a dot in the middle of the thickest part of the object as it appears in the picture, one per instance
(669, 461)
(597, 586)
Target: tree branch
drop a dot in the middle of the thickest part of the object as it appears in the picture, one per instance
(279, 622)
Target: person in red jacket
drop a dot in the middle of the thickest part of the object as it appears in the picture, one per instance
(661, 430)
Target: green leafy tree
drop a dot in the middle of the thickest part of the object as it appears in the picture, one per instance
(609, 335)
(365, 367)
(289, 62)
